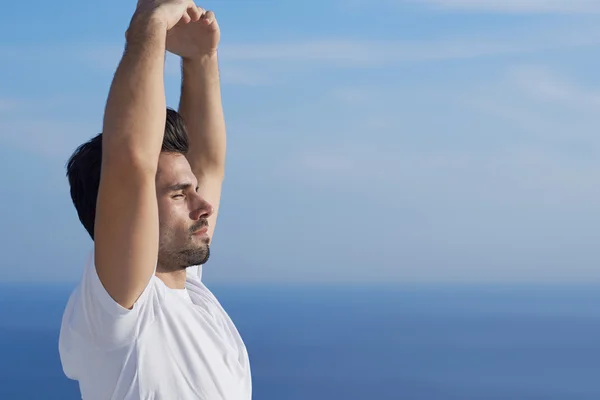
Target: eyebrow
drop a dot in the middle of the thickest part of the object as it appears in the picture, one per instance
(179, 186)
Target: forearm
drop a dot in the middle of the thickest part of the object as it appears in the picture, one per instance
(202, 110)
(135, 113)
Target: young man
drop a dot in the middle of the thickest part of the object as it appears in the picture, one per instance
(141, 325)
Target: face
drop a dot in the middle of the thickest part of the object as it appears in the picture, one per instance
(183, 215)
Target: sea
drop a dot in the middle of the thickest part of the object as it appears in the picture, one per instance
(367, 342)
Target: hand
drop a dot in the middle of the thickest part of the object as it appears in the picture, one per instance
(195, 39)
(170, 13)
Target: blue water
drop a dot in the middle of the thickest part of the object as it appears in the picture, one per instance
(317, 343)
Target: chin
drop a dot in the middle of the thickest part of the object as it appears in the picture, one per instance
(196, 256)
(203, 239)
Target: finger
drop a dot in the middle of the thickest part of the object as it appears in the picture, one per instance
(195, 12)
(208, 17)
(185, 18)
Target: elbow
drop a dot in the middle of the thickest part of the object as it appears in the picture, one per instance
(217, 171)
(207, 165)
(130, 160)
(130, 152)
(214, 171)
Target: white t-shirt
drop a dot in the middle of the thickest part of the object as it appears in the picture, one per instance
(173, 345)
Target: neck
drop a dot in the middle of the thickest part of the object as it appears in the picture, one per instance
(174, 279)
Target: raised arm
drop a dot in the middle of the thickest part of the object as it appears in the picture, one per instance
(126, 227)
(201, 105)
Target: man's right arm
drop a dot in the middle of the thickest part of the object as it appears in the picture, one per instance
(126, 223)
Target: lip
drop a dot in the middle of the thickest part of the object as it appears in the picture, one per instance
(200, 232)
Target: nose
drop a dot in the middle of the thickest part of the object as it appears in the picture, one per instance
(202, 209)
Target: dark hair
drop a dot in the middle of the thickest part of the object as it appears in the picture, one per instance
(84, 165)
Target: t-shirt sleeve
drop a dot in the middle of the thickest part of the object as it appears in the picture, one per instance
(96, 317)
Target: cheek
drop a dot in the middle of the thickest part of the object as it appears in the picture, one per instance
(172, 221)
(167, 212)
(165, 218)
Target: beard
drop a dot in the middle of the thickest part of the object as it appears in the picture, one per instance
(170, 260)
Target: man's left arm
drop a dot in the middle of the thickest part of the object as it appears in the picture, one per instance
(202, 110)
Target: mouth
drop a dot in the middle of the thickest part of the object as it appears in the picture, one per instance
(201, 232)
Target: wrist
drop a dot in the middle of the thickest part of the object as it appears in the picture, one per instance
(200, 60)
(146, 25)
(202, 69)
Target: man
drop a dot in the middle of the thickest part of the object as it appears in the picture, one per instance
(141, 325)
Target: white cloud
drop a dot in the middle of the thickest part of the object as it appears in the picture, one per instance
(50, 138)
(458, 174)
(356, 96)
(532, 131)
(546, 107)
(545, 85)
(52, 134)
(242, 76)
(377, 53)
(7, 105)
(237, 59)
(515, 6)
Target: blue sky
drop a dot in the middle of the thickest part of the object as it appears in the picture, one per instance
(379, 141)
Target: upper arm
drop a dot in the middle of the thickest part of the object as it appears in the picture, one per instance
(210, 186)
(126, 221)
(126, 230)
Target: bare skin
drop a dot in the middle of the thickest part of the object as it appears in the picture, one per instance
(140, 223)
(183, 220)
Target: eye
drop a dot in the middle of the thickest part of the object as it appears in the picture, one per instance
(197, 189)
(177, 196)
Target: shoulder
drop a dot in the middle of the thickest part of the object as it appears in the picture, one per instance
(92, 314)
